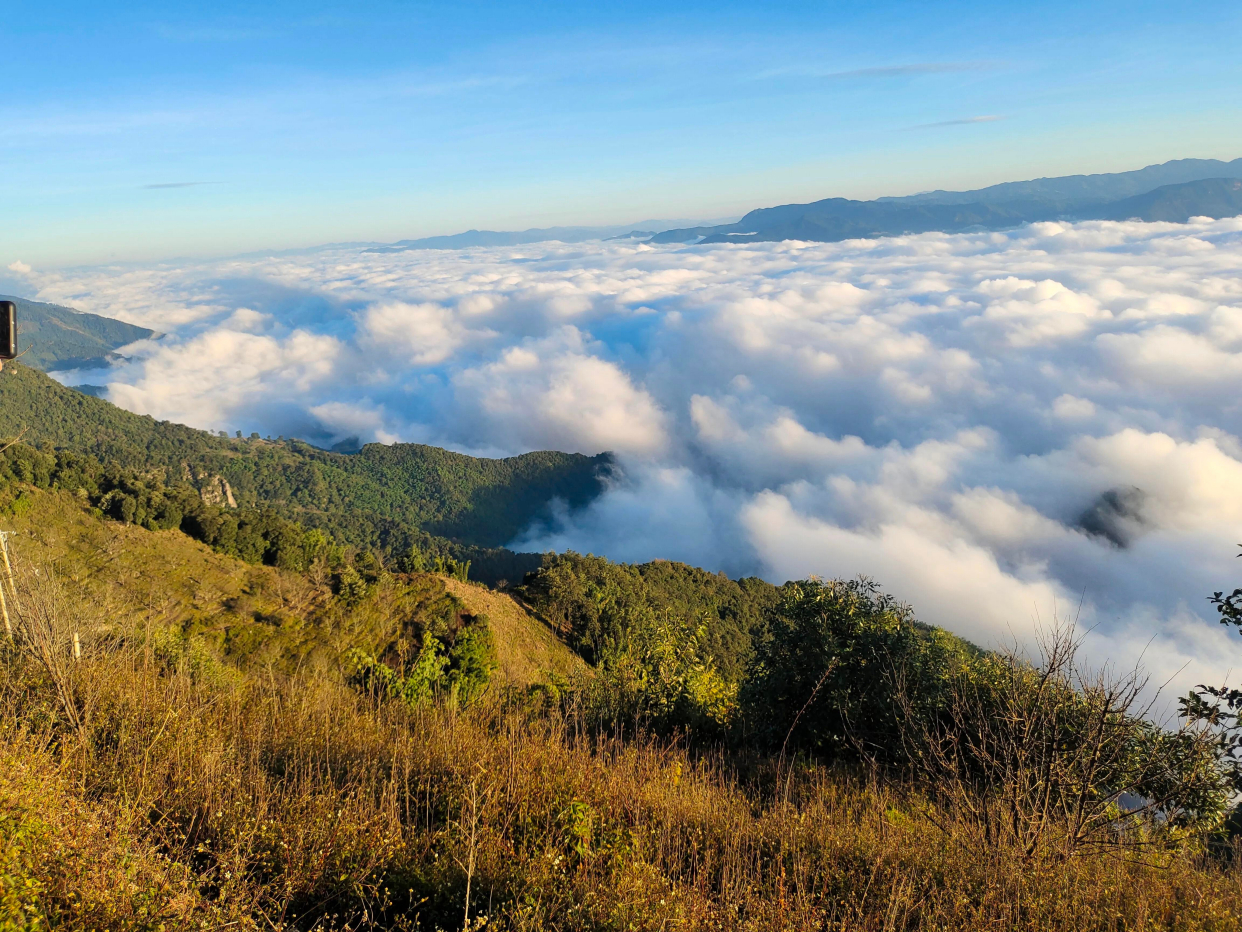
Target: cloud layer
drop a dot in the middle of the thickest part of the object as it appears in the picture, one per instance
(997, 426)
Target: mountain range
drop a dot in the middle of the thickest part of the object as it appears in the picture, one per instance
(1216, 193)
(643, 229)
(1172, 191)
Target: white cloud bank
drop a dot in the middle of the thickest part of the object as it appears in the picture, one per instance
(997, 426)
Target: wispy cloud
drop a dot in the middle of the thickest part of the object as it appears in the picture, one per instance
(179, 184)
(964, 121)
(882, 71)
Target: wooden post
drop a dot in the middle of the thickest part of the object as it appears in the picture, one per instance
(4, 609)
(8, 568)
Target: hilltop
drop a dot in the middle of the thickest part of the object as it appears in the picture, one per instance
(256, 616)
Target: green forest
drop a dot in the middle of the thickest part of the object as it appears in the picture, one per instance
(388, 499)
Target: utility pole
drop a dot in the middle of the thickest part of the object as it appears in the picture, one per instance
(8, 350)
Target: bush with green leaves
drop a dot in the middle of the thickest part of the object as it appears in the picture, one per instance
(455, 658)
(592, 602)
(832, 661)
(1030, 750)
(1219, 708)
(660, 673)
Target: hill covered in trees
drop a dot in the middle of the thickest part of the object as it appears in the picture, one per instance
(385, 498)
(52, 336)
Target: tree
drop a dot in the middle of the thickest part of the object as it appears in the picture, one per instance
(1219, 708)
(829, 669)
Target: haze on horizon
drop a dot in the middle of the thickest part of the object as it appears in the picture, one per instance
(147, 131)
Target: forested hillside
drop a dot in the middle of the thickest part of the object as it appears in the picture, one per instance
(386, 498)
(54, 337)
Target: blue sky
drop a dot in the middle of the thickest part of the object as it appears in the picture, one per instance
(137, 131)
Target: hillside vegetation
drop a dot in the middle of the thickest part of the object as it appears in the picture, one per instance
(222, 716)
(386, 498)
(175, 777)
(54, 337)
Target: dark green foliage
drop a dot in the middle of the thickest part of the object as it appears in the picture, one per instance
(431, 560)
(659, 674)
(828, 670)
(385, 498)
(251, 534)
(594, 602)
(55, 337)
(1220, 707)
(472, 660)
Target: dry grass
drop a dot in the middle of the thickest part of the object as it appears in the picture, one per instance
(527, 649)
(67, 861)
(294, 802)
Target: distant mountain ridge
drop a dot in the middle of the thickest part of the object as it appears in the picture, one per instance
(56, 337)
(1084, 189)
(1114, 195)
(1074, 197)
(1177, 203)
(472, 238)
(383, 498)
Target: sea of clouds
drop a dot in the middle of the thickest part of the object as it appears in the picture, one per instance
(998, 427)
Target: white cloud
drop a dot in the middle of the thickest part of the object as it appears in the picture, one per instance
(416, 334)
(553, 393)
(1071, 408)
(944, 412)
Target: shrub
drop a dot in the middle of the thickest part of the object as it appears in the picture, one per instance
(830, 667)
(659, 673)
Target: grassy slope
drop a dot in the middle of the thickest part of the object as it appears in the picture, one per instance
(527, 649)
(56, 337)
(371, 499)
(256, 616)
